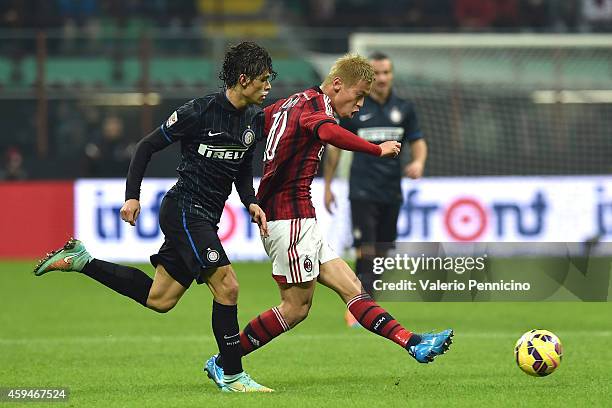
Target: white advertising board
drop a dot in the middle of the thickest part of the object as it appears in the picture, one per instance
(98, 201)
(506, 209)
(491, 209)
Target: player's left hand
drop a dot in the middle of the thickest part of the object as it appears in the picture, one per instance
(414, 170)
(259, 216)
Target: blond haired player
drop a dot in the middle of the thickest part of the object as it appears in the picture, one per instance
(298, 128)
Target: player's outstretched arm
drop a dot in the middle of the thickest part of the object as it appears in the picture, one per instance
(336, 135)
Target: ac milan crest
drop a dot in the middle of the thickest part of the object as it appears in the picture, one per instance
(308, 264)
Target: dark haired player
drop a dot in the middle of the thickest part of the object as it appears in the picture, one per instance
(298, 129)
(375, 185)
(218, 133)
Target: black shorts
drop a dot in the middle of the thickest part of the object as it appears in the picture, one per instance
(373, 222)
(191, 246)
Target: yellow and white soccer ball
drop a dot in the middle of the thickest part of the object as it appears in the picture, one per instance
(538, 352)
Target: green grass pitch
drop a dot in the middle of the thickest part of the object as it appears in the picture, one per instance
(65, 330)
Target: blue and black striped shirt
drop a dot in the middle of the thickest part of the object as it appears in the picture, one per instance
(217, 147)
(373, 179)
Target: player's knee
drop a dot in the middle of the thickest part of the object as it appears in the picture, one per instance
(302, 312)
(229, 292)
(354, 285)
(231, 296)
(160, 307)
(232, 291)
(224, 285)
(160, 304)
(294, 313)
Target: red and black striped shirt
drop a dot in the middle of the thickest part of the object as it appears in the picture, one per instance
(292, 154)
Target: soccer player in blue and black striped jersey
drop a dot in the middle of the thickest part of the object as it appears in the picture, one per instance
(218, 134)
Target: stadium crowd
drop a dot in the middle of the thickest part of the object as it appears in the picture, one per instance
(86, 136)
(410, 15)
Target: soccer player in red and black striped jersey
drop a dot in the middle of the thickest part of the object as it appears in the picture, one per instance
(298, 129)
(375, 192)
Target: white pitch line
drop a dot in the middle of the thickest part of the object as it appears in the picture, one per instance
(288, 337)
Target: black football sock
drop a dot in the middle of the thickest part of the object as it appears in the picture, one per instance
(126, 280)
(363, 270)
(413, 340)
(227, 333)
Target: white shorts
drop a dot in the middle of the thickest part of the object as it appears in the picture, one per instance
(296, 248)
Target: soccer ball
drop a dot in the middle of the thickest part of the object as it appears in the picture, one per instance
(538, 352)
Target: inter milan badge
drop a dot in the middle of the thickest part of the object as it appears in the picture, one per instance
(307, 264)
(395, 115)
(248, 137)
(212, 255)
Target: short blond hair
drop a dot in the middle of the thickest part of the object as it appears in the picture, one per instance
(351, 68)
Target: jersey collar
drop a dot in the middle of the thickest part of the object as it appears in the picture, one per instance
(317, 88)
(224, 102)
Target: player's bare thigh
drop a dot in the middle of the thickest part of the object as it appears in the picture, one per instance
(165, 291)
(339, 277)
(223, 284)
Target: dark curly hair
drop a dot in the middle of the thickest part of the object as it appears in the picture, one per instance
(245, 58)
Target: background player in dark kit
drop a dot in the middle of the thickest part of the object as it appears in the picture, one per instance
(375, 185)
(218, 133)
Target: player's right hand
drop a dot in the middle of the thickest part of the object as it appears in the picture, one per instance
(130, 211)
(390, 149)
(330, 200)
(259, 217)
